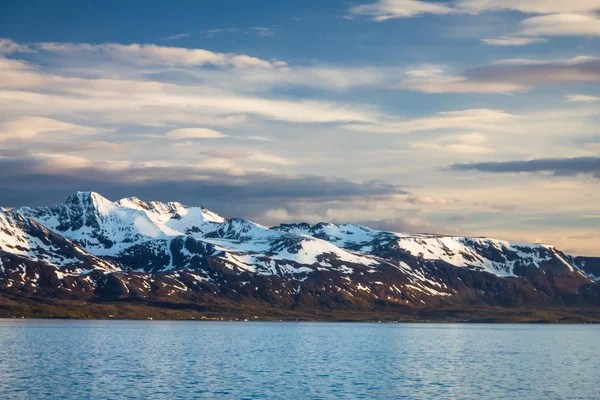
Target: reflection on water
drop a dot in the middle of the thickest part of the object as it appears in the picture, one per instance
(182, 360)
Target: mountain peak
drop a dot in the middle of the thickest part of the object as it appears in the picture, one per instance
(86, 197)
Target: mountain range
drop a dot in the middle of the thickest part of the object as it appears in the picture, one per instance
(88, 255)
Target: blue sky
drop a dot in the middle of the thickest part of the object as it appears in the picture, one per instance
(466, 117)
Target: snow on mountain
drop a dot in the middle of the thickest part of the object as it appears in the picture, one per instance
(176, 218)
(490, 255)
(23, 237)
(154, 236)
(98, 225)
(91, 245)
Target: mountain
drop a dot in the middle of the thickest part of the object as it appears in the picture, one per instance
(89, 249)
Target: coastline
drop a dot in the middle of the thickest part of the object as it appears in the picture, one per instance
(23, 307)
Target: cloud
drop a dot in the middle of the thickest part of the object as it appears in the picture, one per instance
(212, 32)
(383, 10)
(581, 98)
(463, 144)
(556, 166)
(529, 6)
(7, 46)
(474, 119)
(157, 103)
(7, 64)
(561, 25)
(511, 41)
(194, 133)
(454, 148)
(593, 146)
(29, 127)
(262, 31)
(316, 77)
(41, 179)
(177, 36)
(235, 154)
(508, 75)
(416, 199)
(258, 138)
(436, 80)
(150, 54)
(533, 73)
(86, 146)
(558, 17)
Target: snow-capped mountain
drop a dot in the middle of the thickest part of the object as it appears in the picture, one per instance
(90, 246)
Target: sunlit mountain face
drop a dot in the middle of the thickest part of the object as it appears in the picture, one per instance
(92, 248)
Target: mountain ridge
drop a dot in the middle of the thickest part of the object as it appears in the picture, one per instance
(94, 249)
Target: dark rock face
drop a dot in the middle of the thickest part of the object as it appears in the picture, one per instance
(590, 265)
(90, 248)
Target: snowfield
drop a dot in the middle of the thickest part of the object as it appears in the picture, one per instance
(134, 235)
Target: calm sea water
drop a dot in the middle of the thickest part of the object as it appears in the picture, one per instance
(182, 360)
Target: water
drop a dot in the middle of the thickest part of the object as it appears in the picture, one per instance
(184, 360)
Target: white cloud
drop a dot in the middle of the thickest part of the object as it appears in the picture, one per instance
(453, 148)
(473, 119)
(29, 127)
(558, 17)
(7, 46)
(470, 143)
(150, 54)
(561, 25)
(259, 138)
(177, 36)
(505, 76)
(434, 79)
(581, 98)
(7, 64)
(269, 158)
(529, 6)
(194, 133)
(156, 103)
(472, 138)
(383, 10)
(262, 31)
(457, 84)
(511, 41)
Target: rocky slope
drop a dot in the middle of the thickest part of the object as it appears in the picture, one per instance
(89, 248)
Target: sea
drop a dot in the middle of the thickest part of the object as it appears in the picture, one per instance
(83, 359)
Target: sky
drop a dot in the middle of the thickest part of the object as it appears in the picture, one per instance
(462, 117)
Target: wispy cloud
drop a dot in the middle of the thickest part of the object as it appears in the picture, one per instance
(216, 31)
(29, 127)
(511, 41)
(473, 120)
(7, 46)
(554, 17)
(177, 36)
(194, 133)
(506, 76)
(383, 10)
(529, 6)
(464, 144)
(562, 25)
(556, 166)
(581, 98)
(262, 31)
(153, 103)
(150, 54)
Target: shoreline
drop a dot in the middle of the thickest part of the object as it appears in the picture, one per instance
(40, 308)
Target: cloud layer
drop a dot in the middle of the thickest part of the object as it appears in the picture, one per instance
(556, 166)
